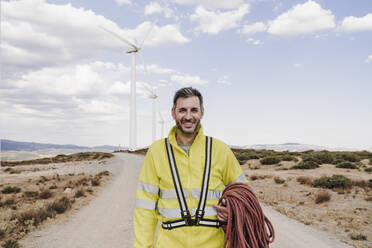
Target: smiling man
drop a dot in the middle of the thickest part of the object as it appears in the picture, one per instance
(181, 181)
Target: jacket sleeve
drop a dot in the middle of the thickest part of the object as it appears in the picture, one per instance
(233, 172)
(147, 195)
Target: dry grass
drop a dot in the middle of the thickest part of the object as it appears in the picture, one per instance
(45, 194)
(25, 206)
(322, 196)
(305, 180)
(342, 209)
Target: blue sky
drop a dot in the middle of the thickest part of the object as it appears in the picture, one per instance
(270, 71)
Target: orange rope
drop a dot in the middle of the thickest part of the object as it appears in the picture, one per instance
(246, 221)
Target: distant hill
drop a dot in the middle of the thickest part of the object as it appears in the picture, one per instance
(11, 145)
(295, 147)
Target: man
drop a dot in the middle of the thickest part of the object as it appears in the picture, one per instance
(160, 199)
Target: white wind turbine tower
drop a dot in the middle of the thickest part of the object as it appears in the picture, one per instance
(154, 98)
(133, 49)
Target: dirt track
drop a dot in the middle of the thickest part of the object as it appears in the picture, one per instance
(107, 220)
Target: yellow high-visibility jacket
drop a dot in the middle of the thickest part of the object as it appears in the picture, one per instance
(156, 198)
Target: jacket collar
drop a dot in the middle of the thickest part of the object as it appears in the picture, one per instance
(173, 131)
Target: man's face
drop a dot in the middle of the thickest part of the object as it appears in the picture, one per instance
(187, 113)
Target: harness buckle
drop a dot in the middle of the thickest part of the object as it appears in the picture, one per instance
(192, 222)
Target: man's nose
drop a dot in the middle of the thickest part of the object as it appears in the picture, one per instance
(188, 115)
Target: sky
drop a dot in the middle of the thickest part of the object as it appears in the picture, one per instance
(270, 71)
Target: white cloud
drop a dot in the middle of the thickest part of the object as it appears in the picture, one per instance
(368, 59)
(213, 4)
(187, 80)
(253, 28)
(224, 80)
(297, 65)
(121, 2)
(355, 24)
(157, 69)
(70, 34)
(154, 8)
(254, 41)
(302, 19)
(159, 35)
(213, 22)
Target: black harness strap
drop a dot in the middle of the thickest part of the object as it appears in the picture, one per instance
(185, 213)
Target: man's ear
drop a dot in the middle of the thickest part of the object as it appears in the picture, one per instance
(173, 111)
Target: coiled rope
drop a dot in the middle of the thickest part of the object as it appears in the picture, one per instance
(246, 224)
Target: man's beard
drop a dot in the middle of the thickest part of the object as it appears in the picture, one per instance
(179, 126)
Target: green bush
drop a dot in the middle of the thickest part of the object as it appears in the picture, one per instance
(310, 158)
(369, 169)
(269, 160)
(324, 157)
(278, 180)
(10, 190)
(335, 181)
(348, 156)
(306, 165)
(288, 157)
(346, 165)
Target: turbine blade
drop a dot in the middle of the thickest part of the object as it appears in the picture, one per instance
(119, 37)
(148, 33)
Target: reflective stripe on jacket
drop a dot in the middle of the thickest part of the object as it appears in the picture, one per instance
(156, 198)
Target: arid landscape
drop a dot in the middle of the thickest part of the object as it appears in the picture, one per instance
(40, 192)
(315, 189)
(311, 187)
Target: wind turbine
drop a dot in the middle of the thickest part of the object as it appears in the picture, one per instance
(133, 49)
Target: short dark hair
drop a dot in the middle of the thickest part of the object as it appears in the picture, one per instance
(187, 92)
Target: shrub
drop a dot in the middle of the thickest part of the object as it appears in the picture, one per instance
(53, 187)
(305, 180)
(80, 193)
(346, 165)
(45, 194)
(2, 234)
(10, 244)
(306, 165)
(322, 196)
(104, 173)
(61, 205)
(10, 190)
(324, 157)
(348, 156)
(288, 157)
(95, 181)
(335, 181)
(253, 177)
(278, 180)
(309, 157)
(270, 160)
(9, 201)
(362, 183)
(31, 193)
(369, 169)
(358, 236)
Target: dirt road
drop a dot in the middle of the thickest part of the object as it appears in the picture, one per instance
(107, 220)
